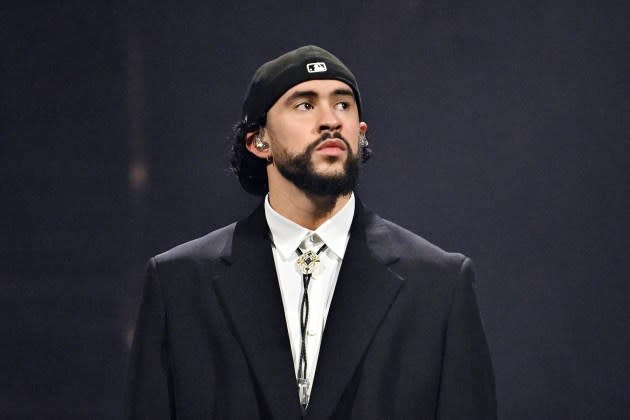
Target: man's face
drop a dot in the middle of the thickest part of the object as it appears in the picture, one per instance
(313, 131)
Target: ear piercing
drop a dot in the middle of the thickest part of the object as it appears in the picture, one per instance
(363, 141)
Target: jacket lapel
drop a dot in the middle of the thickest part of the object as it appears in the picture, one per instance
(251, 297)
(365, 290)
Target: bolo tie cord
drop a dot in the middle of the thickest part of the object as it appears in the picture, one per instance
(307, 262)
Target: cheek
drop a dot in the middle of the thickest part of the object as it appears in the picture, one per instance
(353, 139)
(291, 138)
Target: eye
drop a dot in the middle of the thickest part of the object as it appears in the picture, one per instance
(342, 105)
(304, 106)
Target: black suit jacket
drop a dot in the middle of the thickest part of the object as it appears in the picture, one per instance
(403, 337)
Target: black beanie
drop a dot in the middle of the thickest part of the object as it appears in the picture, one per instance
(277, 76)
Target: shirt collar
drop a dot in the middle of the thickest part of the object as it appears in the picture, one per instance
(288, 235)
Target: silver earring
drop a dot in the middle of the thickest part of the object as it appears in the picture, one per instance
(259, 143)
(363, 141)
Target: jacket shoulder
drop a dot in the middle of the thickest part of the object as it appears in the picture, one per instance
(399, 243)
(208, 247)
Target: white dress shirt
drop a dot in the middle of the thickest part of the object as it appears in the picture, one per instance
(286, 237)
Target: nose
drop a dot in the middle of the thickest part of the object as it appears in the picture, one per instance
(329, 120)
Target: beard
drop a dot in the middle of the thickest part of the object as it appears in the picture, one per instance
(299, 169)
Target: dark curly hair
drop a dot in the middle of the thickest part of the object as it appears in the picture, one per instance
(252, 170)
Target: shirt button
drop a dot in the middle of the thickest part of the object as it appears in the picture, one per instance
(311, 332)
(314, 238)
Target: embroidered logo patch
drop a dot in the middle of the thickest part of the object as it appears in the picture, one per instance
(316, 67)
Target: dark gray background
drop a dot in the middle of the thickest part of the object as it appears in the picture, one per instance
(500, 129)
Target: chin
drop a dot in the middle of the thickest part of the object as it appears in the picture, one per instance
(332, 164)
(330, 172)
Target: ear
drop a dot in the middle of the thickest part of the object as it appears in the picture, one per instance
(363, 127)
(251, 146)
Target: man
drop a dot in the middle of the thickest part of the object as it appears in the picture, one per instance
(313, 306)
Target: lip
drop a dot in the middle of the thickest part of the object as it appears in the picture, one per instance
(332, 145)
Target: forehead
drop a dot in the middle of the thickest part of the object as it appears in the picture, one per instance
(325, 87)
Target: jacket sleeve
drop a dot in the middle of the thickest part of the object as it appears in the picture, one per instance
(467, 389)
(149, 387)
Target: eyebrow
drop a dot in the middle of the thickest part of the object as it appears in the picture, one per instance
(310, 94)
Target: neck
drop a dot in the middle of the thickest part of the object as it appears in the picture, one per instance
(307, 210)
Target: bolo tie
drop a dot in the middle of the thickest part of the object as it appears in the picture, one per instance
(307, 261)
